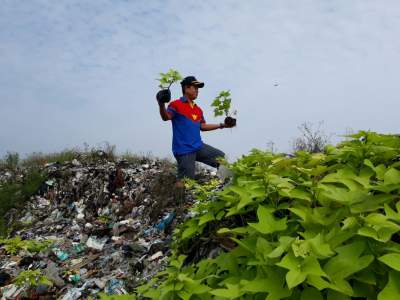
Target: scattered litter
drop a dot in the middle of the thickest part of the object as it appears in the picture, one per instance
(110, 225)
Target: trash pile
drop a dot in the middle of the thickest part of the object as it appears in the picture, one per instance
(107, 228)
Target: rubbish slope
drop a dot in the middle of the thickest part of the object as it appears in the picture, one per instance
(91, 227)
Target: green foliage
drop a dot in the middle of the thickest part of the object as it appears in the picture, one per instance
(31, 278)
(101, 152)
(37, 159)
(14, 245)
(14, 195)
(132, 157)
(222, 104)
(202, 191)
(104, 296)
(10, 161)
(312, 226)
(167, 79)
(104, 219)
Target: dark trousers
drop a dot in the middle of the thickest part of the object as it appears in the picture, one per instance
(206, 155)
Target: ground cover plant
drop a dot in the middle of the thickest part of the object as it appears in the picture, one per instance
(15, 194)
(16, 244)
(312, 226)
(32, 278)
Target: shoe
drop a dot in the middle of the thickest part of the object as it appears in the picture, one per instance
(223, 173)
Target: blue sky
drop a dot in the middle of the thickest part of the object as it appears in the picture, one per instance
(84, 71)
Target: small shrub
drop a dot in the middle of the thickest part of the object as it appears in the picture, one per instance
(31, 278)
(14, 245)
(15, 195)
(131, 157)
(104, 152)
(10, 161)
(38, 159)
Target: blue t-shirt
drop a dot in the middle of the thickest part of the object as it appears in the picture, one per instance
(186, 121)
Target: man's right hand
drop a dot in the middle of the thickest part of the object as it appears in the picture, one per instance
(163, 96)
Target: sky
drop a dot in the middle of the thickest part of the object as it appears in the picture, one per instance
(76, 72)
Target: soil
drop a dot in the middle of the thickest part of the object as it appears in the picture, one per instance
(230, 122)
(164, 96)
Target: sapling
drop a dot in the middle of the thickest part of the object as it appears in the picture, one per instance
(167, 79)
(165, 82)
(222, 106)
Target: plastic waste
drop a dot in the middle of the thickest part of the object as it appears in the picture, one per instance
(168, 218)
(95, 243)
(51, 272)
(74, 278)
(72, 294)
(61, 255)
(115, 287)
(156, 255)
(10, 291)
(77, 247)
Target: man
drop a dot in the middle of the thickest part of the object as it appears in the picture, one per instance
(187, 122)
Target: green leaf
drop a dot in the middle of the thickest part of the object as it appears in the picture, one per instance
(318, 282)
(300, 268)
(284, 244)
(300, 194)
(320, 247)
(392, 214)
(104, 296)
(244, 196)
(231, 292)
(273, 285)
(392, 260)
(311, 294)
(392, 176)
(348, 261)
(378, 227)
(370, 203)
(365, 276)
(206, 218)
(333, 295)
(294, 278)
(266, 222)
(392, 289)
(177, 263)
(237, 230)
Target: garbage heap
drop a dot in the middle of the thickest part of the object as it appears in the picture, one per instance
(108, 226)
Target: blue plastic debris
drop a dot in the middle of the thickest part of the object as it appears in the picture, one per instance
(115, 287)
(165, 221)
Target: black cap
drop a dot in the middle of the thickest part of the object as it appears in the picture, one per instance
(191, 80)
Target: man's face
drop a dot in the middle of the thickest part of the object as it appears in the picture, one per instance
(191, 92)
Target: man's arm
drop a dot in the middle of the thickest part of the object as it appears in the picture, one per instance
(165, 116)
(208, 127)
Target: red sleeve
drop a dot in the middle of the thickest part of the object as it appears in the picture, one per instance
(172, 109)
